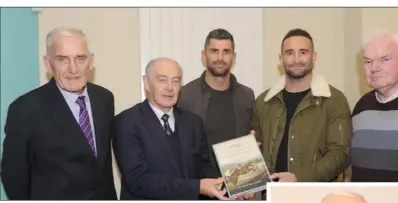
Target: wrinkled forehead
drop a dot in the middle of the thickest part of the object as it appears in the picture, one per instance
(70, 44)
(166, 68)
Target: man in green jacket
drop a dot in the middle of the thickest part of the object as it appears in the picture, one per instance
(303, 123)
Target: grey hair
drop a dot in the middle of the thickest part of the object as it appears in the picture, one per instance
(63, 31)
(376, 34)
(344, 194)
(151, 65)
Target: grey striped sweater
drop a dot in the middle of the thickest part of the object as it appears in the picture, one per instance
(374, 150)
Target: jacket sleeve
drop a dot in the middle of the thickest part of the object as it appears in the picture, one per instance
(141, 182)
(15, 165)
(255, 121)
(338, 140)
(208, 170)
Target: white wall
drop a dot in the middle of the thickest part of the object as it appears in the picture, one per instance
(354, 83)
(180, 33)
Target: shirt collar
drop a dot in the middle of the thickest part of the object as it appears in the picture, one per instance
(72, 97)
(392, 97)
(159, 113)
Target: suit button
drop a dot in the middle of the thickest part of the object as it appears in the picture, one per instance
(98, 190)
(291, 159)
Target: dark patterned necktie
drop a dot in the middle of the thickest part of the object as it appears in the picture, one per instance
(166, 126)
(84, 123)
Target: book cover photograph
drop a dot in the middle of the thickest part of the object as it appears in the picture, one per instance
(242, 165)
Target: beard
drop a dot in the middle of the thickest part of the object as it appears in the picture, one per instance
(218, 72)
(299, 74)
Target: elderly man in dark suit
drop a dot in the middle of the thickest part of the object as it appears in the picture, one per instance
(58, 136)
(161, 149)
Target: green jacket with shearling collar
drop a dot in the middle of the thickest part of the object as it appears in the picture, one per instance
(319, 135)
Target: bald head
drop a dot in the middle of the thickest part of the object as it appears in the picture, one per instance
(162, 62)
(162, 83)
(343, 197)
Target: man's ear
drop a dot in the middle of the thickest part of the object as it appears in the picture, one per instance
(314, 57)
(47, 64)
(203, 58)
(91, 57)
(234, 59)
(145, 80)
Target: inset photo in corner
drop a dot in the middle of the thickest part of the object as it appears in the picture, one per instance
(342, 192)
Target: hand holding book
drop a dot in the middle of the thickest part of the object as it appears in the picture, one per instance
(242, 166)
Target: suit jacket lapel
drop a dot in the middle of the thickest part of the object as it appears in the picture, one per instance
(184, 135)
(154, 126)
(63, 117)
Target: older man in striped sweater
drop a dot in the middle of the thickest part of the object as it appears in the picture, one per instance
(374, 152)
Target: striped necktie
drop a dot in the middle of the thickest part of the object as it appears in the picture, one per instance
(84, 123)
